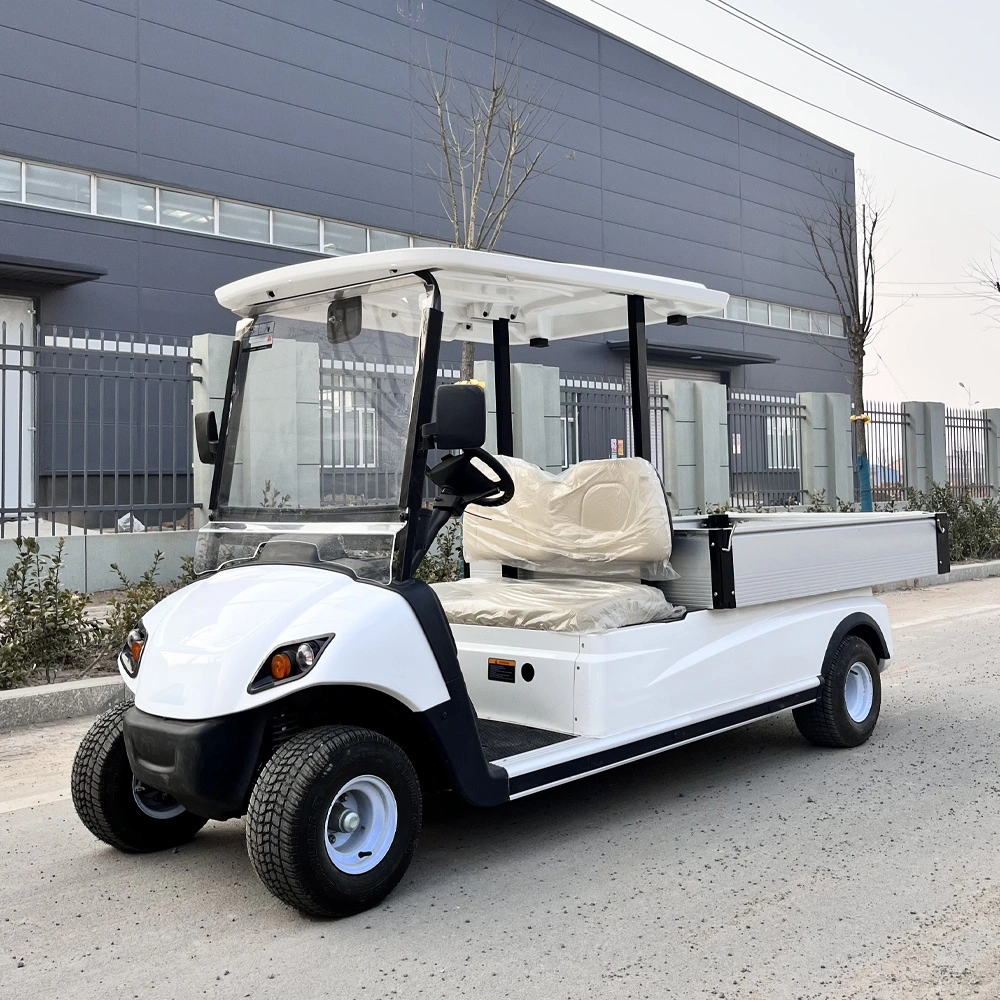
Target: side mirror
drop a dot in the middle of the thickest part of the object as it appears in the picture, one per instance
(459, 418)
(206, 435)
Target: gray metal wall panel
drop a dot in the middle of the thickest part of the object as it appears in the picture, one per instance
(316, 107)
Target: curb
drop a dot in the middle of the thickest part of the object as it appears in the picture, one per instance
(959, 574)
(54, 702)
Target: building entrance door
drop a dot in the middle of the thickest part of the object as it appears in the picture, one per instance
(17, 407)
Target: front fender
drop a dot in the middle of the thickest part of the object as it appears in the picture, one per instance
(206, 642)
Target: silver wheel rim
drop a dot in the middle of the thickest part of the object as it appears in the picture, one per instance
(154, 803)
(859, 692)
(367, 804)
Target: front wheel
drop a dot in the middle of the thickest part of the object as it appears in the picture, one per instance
(850, 698)
(333, 820)
(114, 805)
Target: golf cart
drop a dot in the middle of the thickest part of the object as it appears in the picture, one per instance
(309, 681)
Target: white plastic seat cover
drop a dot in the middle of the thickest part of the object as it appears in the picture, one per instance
(594, 531)
(563, 605)
(605, 518)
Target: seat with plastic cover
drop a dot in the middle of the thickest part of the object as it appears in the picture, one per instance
(588, 536)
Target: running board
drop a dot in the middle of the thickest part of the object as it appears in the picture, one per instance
(607, 757)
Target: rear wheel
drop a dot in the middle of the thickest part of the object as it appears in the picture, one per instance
(334, 820)
(114, 805)
(850, 698)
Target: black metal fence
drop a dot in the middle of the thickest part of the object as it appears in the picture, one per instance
(596, 415)
(966, 434)
(885, 436)
(95, 432)
(765, 450)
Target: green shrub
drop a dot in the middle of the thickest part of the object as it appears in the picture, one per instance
(127, 608)
(43, 625)
(973, 525)
(444, 562)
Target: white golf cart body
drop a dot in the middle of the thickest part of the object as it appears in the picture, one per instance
(593, 682)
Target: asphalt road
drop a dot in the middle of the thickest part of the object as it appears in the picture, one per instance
(749, 865)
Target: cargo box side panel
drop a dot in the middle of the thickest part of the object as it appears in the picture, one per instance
(774, 565)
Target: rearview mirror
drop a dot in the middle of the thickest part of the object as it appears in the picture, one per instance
(343, 320)
(206, 435)
(459, 418)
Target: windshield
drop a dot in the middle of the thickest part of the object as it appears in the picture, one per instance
(321, 406)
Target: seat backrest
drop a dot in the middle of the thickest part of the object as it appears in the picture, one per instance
(605, 518)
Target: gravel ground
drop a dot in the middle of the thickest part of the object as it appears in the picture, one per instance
(749, 865)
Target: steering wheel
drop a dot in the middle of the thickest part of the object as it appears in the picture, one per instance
(457, 475)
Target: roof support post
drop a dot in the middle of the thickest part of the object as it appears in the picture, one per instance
(640, 376)
(501, 378)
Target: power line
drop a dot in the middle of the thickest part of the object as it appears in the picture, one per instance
(795, 97)
(806, 49)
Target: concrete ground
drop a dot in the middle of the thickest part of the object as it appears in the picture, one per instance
(749, 865)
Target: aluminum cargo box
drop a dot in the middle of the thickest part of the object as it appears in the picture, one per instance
(737, 560)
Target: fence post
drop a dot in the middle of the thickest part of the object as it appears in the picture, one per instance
(924, 444)
(826, 460)
(993, 451)
(535, 401)
(212, 351)
(695, 444)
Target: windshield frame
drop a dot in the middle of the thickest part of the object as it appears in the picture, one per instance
(233, 404)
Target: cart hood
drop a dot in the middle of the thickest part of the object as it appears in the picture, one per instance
(206, 642)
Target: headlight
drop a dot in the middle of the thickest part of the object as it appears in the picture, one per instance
(131, 654)
(287, 663)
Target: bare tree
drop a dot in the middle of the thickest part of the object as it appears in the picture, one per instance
(844, 242)
(492, 139)
(986, 274)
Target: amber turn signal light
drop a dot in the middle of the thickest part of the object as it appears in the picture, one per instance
(136, 649)
(281, 666)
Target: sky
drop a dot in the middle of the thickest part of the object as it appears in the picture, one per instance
(932, 332)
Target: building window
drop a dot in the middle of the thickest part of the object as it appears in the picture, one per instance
(350, 429)
(736, 308)
(819, 323)
(340, 238)
(800, 320)
(300, 232)
(187, 211)
(382, 240)
(836, 326)
(10, 180)
(51, 187)
(121, 200)
(422, 241)
(244, 222)
(780, 316)
(757, 312)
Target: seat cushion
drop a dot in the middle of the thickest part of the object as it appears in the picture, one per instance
(554, 605)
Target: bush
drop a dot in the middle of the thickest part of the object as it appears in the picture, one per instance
(43, 625)
(137, 598)
(973, 525)
(444, 562)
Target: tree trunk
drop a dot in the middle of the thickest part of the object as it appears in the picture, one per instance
(468, 360)
(861, 433)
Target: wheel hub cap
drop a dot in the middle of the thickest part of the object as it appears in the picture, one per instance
(859, 692)
(154, 803)
(361, 824)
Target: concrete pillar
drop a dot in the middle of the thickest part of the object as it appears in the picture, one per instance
(537, 415)
(695, 444)
(827, 456)
(993, 451)
(212, 351)
(483, 372)
(924, 444)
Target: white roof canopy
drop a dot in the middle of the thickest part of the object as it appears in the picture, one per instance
(540, 298)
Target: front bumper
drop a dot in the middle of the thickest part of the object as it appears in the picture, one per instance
(207, 765)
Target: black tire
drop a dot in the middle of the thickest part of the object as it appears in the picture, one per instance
(104, 798)
(827, 722)
(287, 819)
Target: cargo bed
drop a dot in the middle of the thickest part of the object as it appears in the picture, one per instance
(739, 560)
